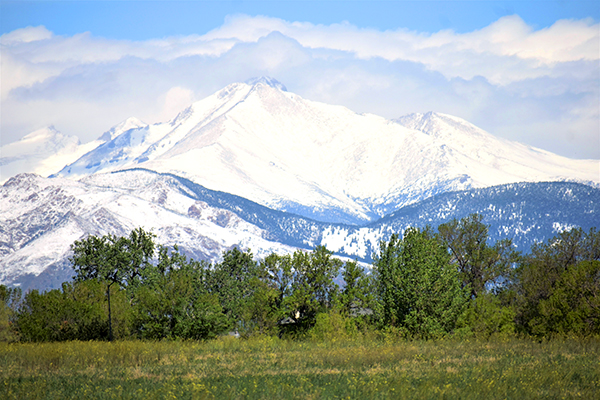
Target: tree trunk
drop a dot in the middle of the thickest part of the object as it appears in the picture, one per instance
(110, 332)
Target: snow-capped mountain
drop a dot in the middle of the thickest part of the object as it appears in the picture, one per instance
(496, 157)
(259, 167)
(41, 217)
(258, 141)
(46, 151)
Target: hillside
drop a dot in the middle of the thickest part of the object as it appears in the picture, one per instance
(41, 217)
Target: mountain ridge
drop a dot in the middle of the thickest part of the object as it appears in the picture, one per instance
(325, 162)
(46, 151)
(256, 166)
(47, 215)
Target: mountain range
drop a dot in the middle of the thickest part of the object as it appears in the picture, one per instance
(256, 166)
(41, 217)
(258, 141)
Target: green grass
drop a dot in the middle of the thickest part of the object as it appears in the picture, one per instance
(272, 368)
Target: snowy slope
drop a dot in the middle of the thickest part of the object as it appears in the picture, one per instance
(41, 217)
(498, 157)
(260, 142)
(46, 151)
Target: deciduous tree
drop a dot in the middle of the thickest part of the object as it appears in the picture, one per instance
(479, 263)
(418, 288)
(558, 285)
(113, 260)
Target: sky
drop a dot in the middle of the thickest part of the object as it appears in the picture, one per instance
(522, 70)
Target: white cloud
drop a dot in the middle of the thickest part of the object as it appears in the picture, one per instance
(539, 87)
(26, 35)
(509, 40)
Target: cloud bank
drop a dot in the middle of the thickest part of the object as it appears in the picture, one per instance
(539, 87)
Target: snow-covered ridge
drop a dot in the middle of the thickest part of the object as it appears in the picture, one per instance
(43, 151)
(258, 141)
(128, 124)
(529, 163)
(46, 151)
(274, 83)
(263, 143)
(41, 217)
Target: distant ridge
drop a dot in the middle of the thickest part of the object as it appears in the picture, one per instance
(41, 217)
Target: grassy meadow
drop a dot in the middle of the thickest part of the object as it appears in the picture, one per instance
(268, 368)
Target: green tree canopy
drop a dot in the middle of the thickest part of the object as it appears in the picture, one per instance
(313, 289)
(558, 285)
(233, 281)
(174, 301)
(9, 301)
(419, 290)
(356, 295)
(76, 312)
(113, 260)
(479, 264)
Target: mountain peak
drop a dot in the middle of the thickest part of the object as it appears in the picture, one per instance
(266, 80)
(45, 133)
(129, 123)
(438, 124)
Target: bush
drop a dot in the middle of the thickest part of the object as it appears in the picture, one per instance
(332, 327)
(77, 312)
(486, 317)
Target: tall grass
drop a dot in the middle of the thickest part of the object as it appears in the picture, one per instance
(267, 367)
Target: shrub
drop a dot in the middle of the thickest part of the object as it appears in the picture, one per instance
(332, 327)
(485, 317)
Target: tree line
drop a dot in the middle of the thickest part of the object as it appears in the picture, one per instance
(422, 284)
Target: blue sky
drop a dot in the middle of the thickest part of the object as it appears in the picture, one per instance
(523, 70)
(138, 20)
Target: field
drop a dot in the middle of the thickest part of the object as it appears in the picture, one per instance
(271, 368)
